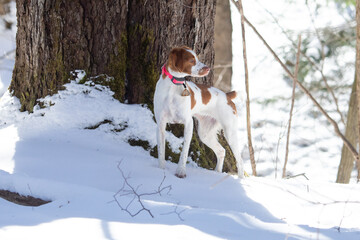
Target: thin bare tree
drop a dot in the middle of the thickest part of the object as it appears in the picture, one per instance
(357, 74)
(292, 105)
(318, 68)
(333, 123)
(238, 4)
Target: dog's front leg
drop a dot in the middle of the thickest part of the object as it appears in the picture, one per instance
(188, 131)
(160, 134)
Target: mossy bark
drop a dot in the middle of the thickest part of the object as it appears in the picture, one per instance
(154, 27)
(142, 67)
(126, 39)
(117, 68)
(56, 37)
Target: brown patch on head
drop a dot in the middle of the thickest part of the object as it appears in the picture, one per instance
(181, 60)
(229, 96)
(205, 93)
(192, 97)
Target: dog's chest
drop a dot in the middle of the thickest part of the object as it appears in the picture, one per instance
(179, 108)
(169, 104)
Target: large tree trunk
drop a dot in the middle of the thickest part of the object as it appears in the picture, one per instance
(56, 37)
(126, 39)
(157, 26)
(347, 158)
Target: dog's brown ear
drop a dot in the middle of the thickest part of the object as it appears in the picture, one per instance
(175, 59)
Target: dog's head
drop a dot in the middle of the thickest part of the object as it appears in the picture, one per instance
(184, 62)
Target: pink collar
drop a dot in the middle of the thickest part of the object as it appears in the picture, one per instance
(174, 80)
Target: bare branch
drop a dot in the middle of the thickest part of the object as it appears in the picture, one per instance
(281, 135)
(317, 68)
(220, 77)
(297, 175)
(223, 66)
(321, 68)
(292, 104)
(177, 212)
(333, 123)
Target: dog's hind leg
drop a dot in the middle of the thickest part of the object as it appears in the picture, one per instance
(232, 139)
(188, 131)
(160, 134)
(208, 129)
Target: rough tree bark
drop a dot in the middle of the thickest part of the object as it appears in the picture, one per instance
(352, 124)
(126, 39)
(351, 133)
(56, 37)
(157, 26)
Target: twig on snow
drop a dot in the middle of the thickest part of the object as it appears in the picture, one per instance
(128, 190)
(176, 211)
(298, 175)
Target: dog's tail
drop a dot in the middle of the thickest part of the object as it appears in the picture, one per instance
(231, 95)
(236, 98)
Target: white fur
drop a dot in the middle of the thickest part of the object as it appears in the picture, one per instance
(171, 107)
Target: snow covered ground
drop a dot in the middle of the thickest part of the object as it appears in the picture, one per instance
(53, 154)
(49, 154)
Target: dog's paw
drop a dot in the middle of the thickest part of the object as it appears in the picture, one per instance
(180, 176)
(180, 173)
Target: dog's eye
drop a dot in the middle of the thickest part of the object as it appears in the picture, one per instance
(192, 60)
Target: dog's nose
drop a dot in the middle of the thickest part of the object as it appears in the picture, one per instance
(204, 71)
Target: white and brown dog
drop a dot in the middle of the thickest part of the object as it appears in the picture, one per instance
(213, 109)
